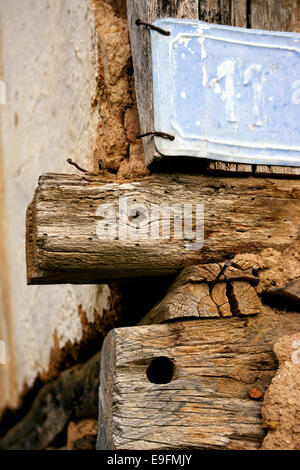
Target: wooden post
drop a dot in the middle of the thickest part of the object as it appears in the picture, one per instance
(241, 215)
(188, 384)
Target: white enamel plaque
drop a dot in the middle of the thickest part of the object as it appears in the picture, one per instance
(225, 93)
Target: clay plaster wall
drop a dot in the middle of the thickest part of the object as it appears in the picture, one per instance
(67, 69)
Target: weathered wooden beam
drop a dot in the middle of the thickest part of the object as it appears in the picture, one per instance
(214, 11)
(208, 291)
(271, 14)
(274, 15)
(240, 215)
(239, 13)
(186, 384)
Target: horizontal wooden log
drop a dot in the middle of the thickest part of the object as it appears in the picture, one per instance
(188, 384)
(208, 291)
(291, 291)
(72, 396)
(240, 215)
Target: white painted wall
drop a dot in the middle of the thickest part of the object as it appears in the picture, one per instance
(49, 61)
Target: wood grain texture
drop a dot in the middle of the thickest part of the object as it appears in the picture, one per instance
(208, 291)
(239, 13)
(243, 299)
(206, 405)
(215, 271)
(242, 215)
(148, 11)
(272, 170)
(214, 11)
(275, 15)
(187, 301)
(220, 298)
(227, 167)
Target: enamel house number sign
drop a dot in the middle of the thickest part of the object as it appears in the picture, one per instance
(226, 93)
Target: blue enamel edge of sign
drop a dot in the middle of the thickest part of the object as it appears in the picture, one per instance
(226, 93)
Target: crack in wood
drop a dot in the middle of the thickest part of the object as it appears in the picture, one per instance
(213, 290)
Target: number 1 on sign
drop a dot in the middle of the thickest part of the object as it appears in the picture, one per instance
(226, 70)
(252, 75)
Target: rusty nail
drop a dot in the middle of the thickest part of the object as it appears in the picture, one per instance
(151, 26)
(70, 161)
(164, 135)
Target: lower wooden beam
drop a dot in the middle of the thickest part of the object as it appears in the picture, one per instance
(69, 213)
(188, 384)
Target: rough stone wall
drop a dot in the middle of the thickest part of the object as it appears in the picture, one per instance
(68, 73)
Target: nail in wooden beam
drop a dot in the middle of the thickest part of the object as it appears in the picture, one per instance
(240, 216)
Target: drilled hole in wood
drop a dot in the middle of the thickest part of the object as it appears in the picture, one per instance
(161, 370)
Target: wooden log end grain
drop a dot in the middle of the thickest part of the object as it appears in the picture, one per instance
(208, 291)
